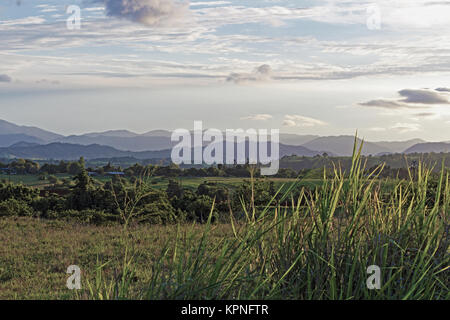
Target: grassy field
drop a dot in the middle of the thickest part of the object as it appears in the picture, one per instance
(35, 254)
(158, 182)
(30, 179)
(319, 248)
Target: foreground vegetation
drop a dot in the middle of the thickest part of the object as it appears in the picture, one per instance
(301, 243)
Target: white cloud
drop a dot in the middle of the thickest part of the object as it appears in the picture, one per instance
(258, 117)
(377, 129)
(210, 3)
(406, 127)
(23, 21)
(301, 121)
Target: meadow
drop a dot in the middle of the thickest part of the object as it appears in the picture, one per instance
(319, 247)
(156, 182)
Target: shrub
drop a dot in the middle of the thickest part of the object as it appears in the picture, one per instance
(13, 207)
(83, 216)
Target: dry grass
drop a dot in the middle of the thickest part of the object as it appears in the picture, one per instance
(34, 254)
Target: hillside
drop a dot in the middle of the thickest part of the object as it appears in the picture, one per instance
(158, 143)
(8, 128)
(68, 151)
(436, 147)
(343, 146)
(123, 143)
(7, 140)
(399, 146)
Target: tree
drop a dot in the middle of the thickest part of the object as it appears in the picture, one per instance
(74, 168)
(174, 189)
(81, 197)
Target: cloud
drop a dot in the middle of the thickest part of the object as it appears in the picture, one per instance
(46, 81)
(377, 129)
(406, 127)
(23, 21)
(258, 117)
(381, 103)
(443, 89)
(400, 127)
(261, 73)
(147, 12)
(301, 121)
(426, 114)
(211, 3)
(422, 97)
(5, 78)
(412, 98)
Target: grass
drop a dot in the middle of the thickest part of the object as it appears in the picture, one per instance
(318, 248)
(158, 182)
(31, 180)
(226, 182)
(35, 254)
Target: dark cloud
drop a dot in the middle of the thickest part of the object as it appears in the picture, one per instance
(147, 12)
(5, 78)
(264, 69)
(388, 104)
(422, 97)
(425, 114)
(443, 89)
(412, 98)
(261, 73)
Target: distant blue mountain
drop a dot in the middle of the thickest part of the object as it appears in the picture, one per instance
(22, 141)
(8, 128)
(7, 140)
(429, 147)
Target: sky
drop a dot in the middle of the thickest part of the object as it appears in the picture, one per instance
(322, 67)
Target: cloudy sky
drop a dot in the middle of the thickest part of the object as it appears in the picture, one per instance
(309, 67)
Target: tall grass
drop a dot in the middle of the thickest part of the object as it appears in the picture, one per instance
(318, 248)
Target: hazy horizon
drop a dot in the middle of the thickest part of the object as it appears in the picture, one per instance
(152, 130)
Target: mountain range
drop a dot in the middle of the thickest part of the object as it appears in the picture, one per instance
(31, 142)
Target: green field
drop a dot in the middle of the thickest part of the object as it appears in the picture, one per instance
(319, 247)
(30, 179)
(157, 182)
(35, 254)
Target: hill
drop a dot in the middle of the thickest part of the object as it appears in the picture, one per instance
(7, 140)
(399, 146)
(8, 128)
(68, 151)
(436, 147)
(343, 146)
(124, 143)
